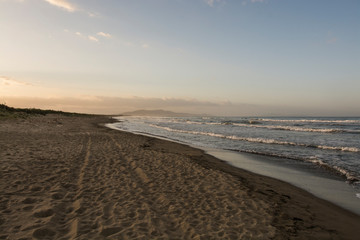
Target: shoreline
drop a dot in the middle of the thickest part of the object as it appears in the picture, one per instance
(312, 178)
(69, 176)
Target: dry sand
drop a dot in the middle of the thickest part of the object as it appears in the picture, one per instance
(71, 178)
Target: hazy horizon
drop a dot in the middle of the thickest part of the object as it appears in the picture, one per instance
(216, 57)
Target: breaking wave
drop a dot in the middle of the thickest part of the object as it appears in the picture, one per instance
(350, 177)
(307, 120)
(273, 127)
(259, 140)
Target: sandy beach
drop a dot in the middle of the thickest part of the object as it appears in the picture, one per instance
(72, 178)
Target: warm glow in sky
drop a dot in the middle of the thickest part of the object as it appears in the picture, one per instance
(222, 57)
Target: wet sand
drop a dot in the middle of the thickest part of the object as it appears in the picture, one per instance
(72, 178)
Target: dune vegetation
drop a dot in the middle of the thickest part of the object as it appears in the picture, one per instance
(11, 112)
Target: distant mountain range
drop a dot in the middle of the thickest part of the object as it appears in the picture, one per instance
(159, 113)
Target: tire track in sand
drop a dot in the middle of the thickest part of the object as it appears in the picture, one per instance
(150, 214)
(77, 203)
(139, 171)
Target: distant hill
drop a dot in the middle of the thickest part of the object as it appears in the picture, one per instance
(159, 113)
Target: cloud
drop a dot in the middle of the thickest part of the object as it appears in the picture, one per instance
(332, 40)
(102, 34)
(64, 4)
(145, 45)
(8, 81)
(130, 44)
(245, 2)
(212, 2)
(93, 14)
(89, 37)
(13, 0)
(92, 38)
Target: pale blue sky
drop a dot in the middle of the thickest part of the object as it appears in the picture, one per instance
(232, 57)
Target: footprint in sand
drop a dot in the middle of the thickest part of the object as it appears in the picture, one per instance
(27, 208)
(110, 231)
(43, 233)
(29, 201)
(36, 188)
(44, 213)
(57, 196)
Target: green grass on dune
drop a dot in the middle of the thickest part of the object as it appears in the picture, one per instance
(10, 112)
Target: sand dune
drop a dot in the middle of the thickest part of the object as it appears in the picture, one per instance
(69, 178)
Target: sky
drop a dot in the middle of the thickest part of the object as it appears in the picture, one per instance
(219, 57)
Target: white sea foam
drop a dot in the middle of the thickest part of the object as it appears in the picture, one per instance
(290, 128)
(341, 171)
(273, 127)
(349, 176)
(345, 149)
(258, 140)
(308, 120)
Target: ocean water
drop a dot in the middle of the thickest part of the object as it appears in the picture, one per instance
(327, 142)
